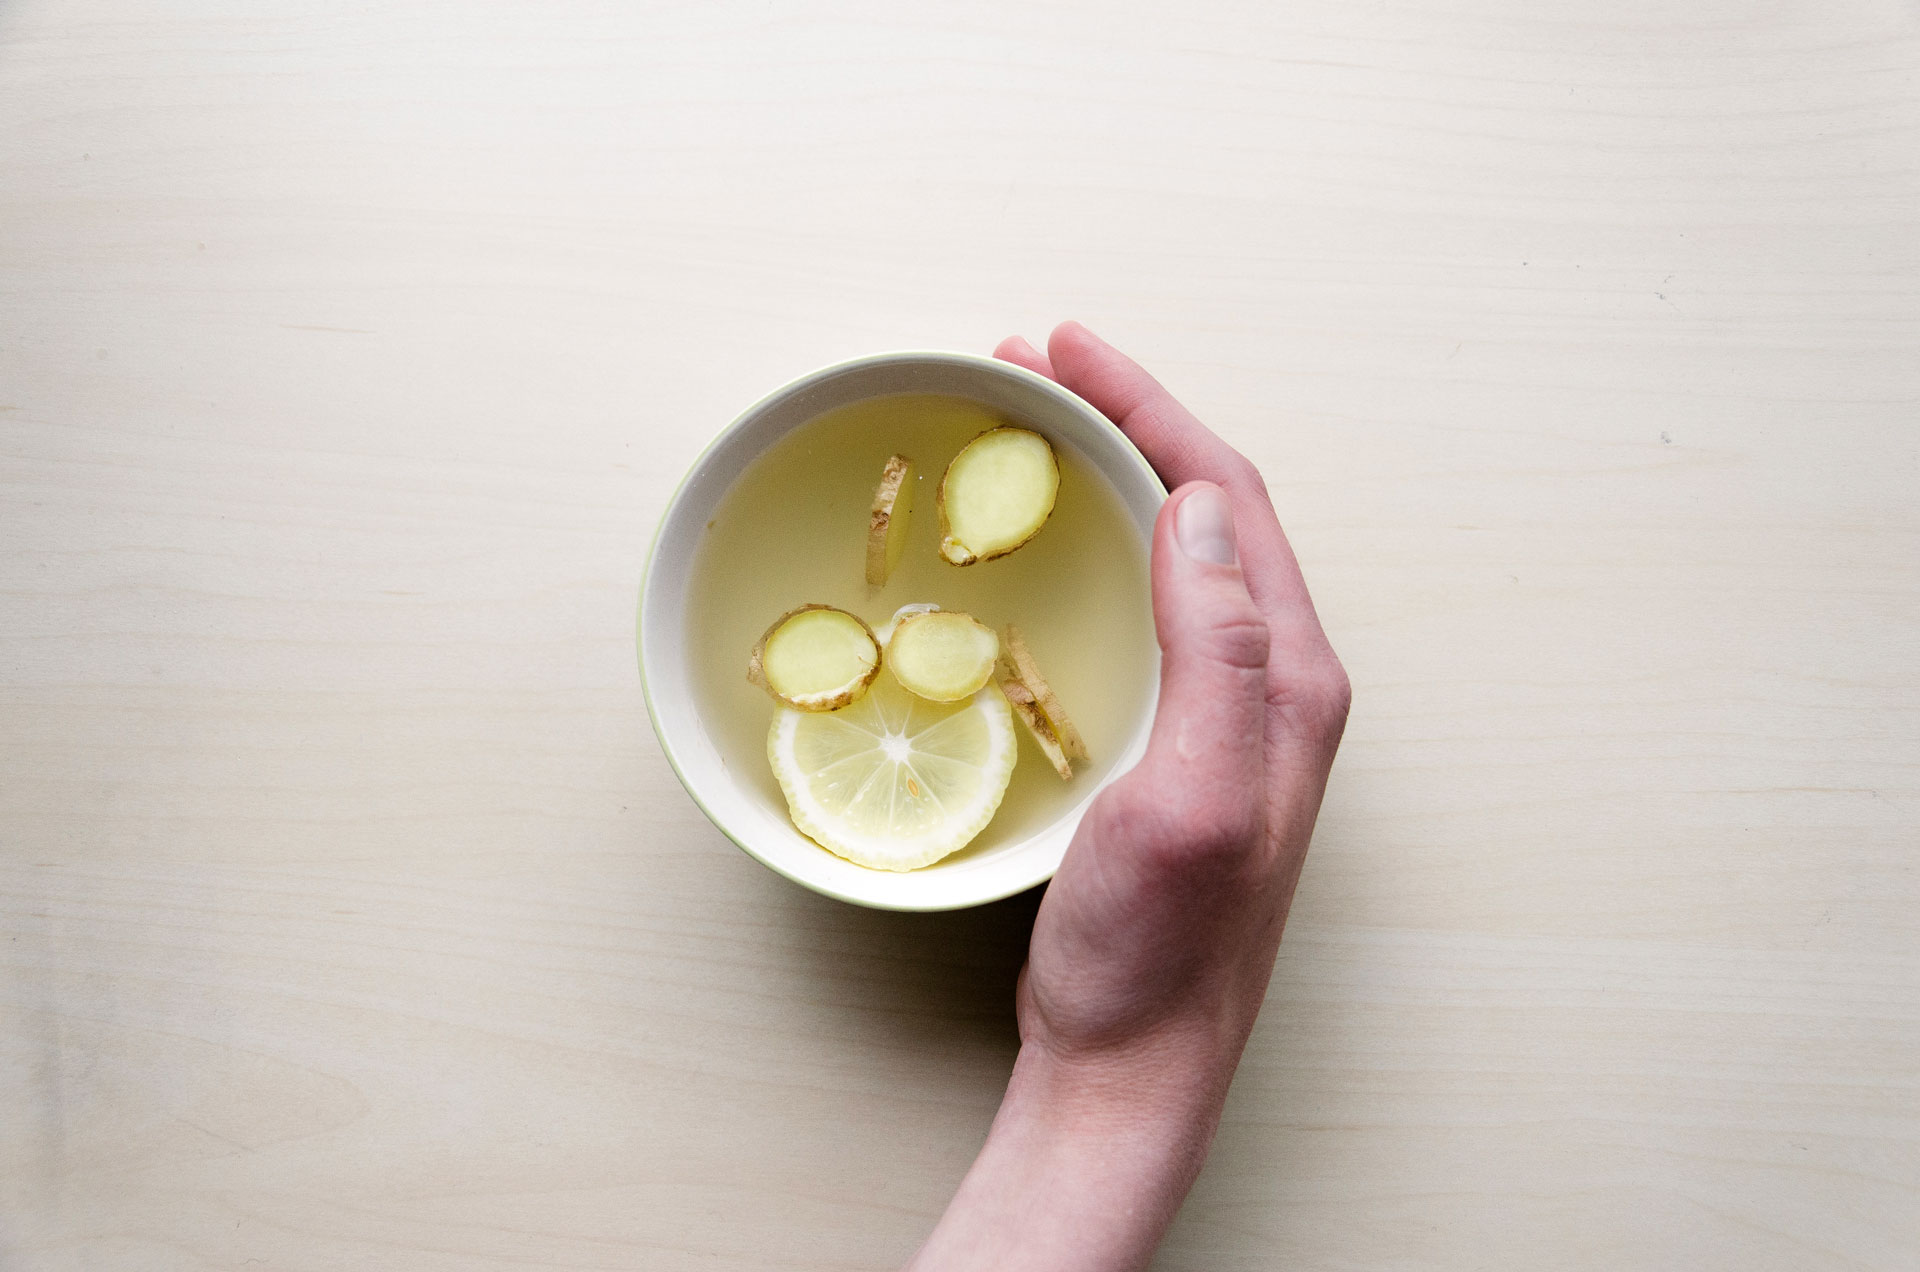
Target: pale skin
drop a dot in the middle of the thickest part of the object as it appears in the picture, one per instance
(1153, 947)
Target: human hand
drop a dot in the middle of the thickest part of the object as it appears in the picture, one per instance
(1155, 941)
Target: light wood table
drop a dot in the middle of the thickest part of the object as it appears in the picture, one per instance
(349, 916)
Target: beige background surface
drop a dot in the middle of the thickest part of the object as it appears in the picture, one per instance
(348, 353)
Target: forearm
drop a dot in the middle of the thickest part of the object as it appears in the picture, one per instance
(1084, 1168)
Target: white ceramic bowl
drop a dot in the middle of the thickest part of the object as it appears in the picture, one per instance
(746, 815)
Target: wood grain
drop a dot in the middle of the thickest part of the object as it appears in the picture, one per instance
(347, 355)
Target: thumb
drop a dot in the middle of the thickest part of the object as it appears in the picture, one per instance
(1207, 755)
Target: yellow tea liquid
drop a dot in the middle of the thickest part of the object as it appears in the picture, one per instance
(793, 531)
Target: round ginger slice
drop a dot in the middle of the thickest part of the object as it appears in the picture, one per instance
(1028, 672)
(942, 655)
(1021, 699)
(887, 524)
(997, 493)
(884, 632)
(815, 658)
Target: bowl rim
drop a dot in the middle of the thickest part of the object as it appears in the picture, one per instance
(999, 366)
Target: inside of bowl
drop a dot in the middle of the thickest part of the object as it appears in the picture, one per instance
(729, 778)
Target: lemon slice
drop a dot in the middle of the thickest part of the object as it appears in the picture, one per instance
(895, 782)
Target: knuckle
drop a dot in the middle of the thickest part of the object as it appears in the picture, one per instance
(1240, 639)
(1181, 826)
(1121, 808)
(1317, 696)
(1333, 692)
(1203, 825)
(1246, 473)
(1226, 828)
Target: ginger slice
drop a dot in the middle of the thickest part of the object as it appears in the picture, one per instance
(884, 632)
(997, 493)
(942, 655)
(1024, 705)
(816, 658)
(1028, 672)
(887, 524)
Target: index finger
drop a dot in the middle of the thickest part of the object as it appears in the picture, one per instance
(1182, 449)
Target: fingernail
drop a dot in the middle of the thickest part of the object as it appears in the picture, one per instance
(1203, 525)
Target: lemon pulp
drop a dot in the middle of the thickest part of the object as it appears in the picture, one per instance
(895, 782)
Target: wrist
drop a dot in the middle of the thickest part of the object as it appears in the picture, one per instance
(1086, 1164)
(1162, 1099)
